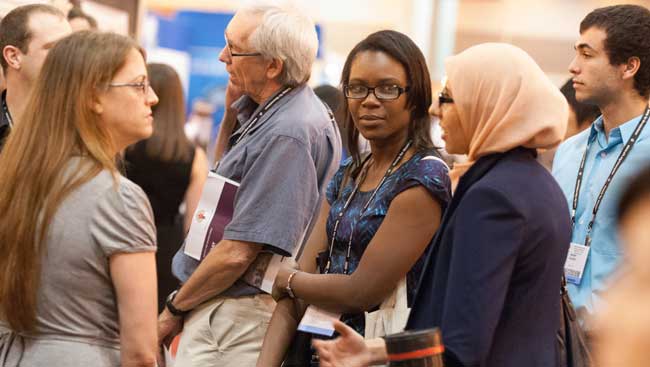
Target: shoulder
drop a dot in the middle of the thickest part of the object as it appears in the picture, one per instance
(516, 179)
(303, 116)
(426, 168)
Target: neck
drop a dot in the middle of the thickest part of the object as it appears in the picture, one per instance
(267, 91)
(626, 107)
(17, 94)
(384, 151)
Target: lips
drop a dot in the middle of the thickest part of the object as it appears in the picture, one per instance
(371, 118)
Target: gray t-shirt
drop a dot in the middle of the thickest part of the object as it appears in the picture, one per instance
(283, 166)
(77, 316)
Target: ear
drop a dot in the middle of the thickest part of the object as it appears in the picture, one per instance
(274, 69)
(13, 56)
(631, 67)
(96, 105)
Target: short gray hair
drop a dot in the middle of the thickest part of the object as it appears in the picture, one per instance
(288, 35)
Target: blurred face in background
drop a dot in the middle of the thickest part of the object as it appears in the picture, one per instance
(45, 29)
(444, 108)
(382, 114)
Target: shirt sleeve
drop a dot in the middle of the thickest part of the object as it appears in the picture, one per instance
(334, 186)
(488, 234)
(123, 220)
(432, 173)
(276, 197)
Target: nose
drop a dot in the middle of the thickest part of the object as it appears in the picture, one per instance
(224, 56)
(573, 66)
(434, 109)
(152, 97)
(370, 100)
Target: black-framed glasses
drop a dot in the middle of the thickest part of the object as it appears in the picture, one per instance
(240, 54)
(143, 85)
(382, 92)
(444, 98)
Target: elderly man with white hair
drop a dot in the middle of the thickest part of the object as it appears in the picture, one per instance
(283, 149)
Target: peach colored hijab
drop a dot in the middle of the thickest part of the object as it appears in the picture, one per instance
(504, 100)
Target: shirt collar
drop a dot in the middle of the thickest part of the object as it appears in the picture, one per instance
(622, 132)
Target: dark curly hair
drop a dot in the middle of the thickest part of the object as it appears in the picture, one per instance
(628, 35)
(418, 99)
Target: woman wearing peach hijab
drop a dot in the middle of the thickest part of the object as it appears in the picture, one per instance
(492, 279)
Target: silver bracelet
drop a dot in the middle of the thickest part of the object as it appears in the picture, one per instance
(288, 287)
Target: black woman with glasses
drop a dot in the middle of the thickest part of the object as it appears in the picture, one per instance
(382, 208)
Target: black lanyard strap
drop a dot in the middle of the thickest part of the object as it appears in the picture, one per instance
(362, 177)
(5, 109)
(262, 111)
(619, 161)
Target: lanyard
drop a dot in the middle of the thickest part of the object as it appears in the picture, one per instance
(261, 113)
(362, 177)
(5, 109)
(624, 153)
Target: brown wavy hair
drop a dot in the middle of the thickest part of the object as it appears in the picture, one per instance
(58, 124)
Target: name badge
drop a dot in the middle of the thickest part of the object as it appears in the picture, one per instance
(318, 321)
(575, 263)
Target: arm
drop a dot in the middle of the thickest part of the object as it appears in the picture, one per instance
(223, 265)
(197, 179)
(412, 219)
(488, 233)
(287, 313)
(134, 278)
(229, 121)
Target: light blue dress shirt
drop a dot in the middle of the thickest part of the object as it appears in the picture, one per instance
(605, 253)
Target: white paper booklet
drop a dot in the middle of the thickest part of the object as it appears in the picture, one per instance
(214, 212)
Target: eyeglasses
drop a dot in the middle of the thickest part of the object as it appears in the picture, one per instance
(143, 85)
(240, 54)
(444, 98)
(381, 92)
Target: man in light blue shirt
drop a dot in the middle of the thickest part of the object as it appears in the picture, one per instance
(611, 70)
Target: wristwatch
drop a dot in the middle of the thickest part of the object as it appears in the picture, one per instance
(170, 305)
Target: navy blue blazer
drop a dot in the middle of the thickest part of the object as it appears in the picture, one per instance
(493, 274)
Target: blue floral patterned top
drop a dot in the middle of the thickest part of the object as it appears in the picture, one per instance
(423, 168)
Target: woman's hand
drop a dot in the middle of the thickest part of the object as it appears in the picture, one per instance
(348, 350)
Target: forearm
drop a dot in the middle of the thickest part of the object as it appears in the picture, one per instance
(217, 272)
(334, 292)
(227, 126)
(280, 332)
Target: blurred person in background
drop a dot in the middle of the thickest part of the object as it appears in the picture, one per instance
(77, 275)
(334, 99)
(492, 278)
(622, 329)
(581, 115)
(611, 70)
(80, 21)
(27, 33)
(170, 170)
(399, 190)
(282, 147)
